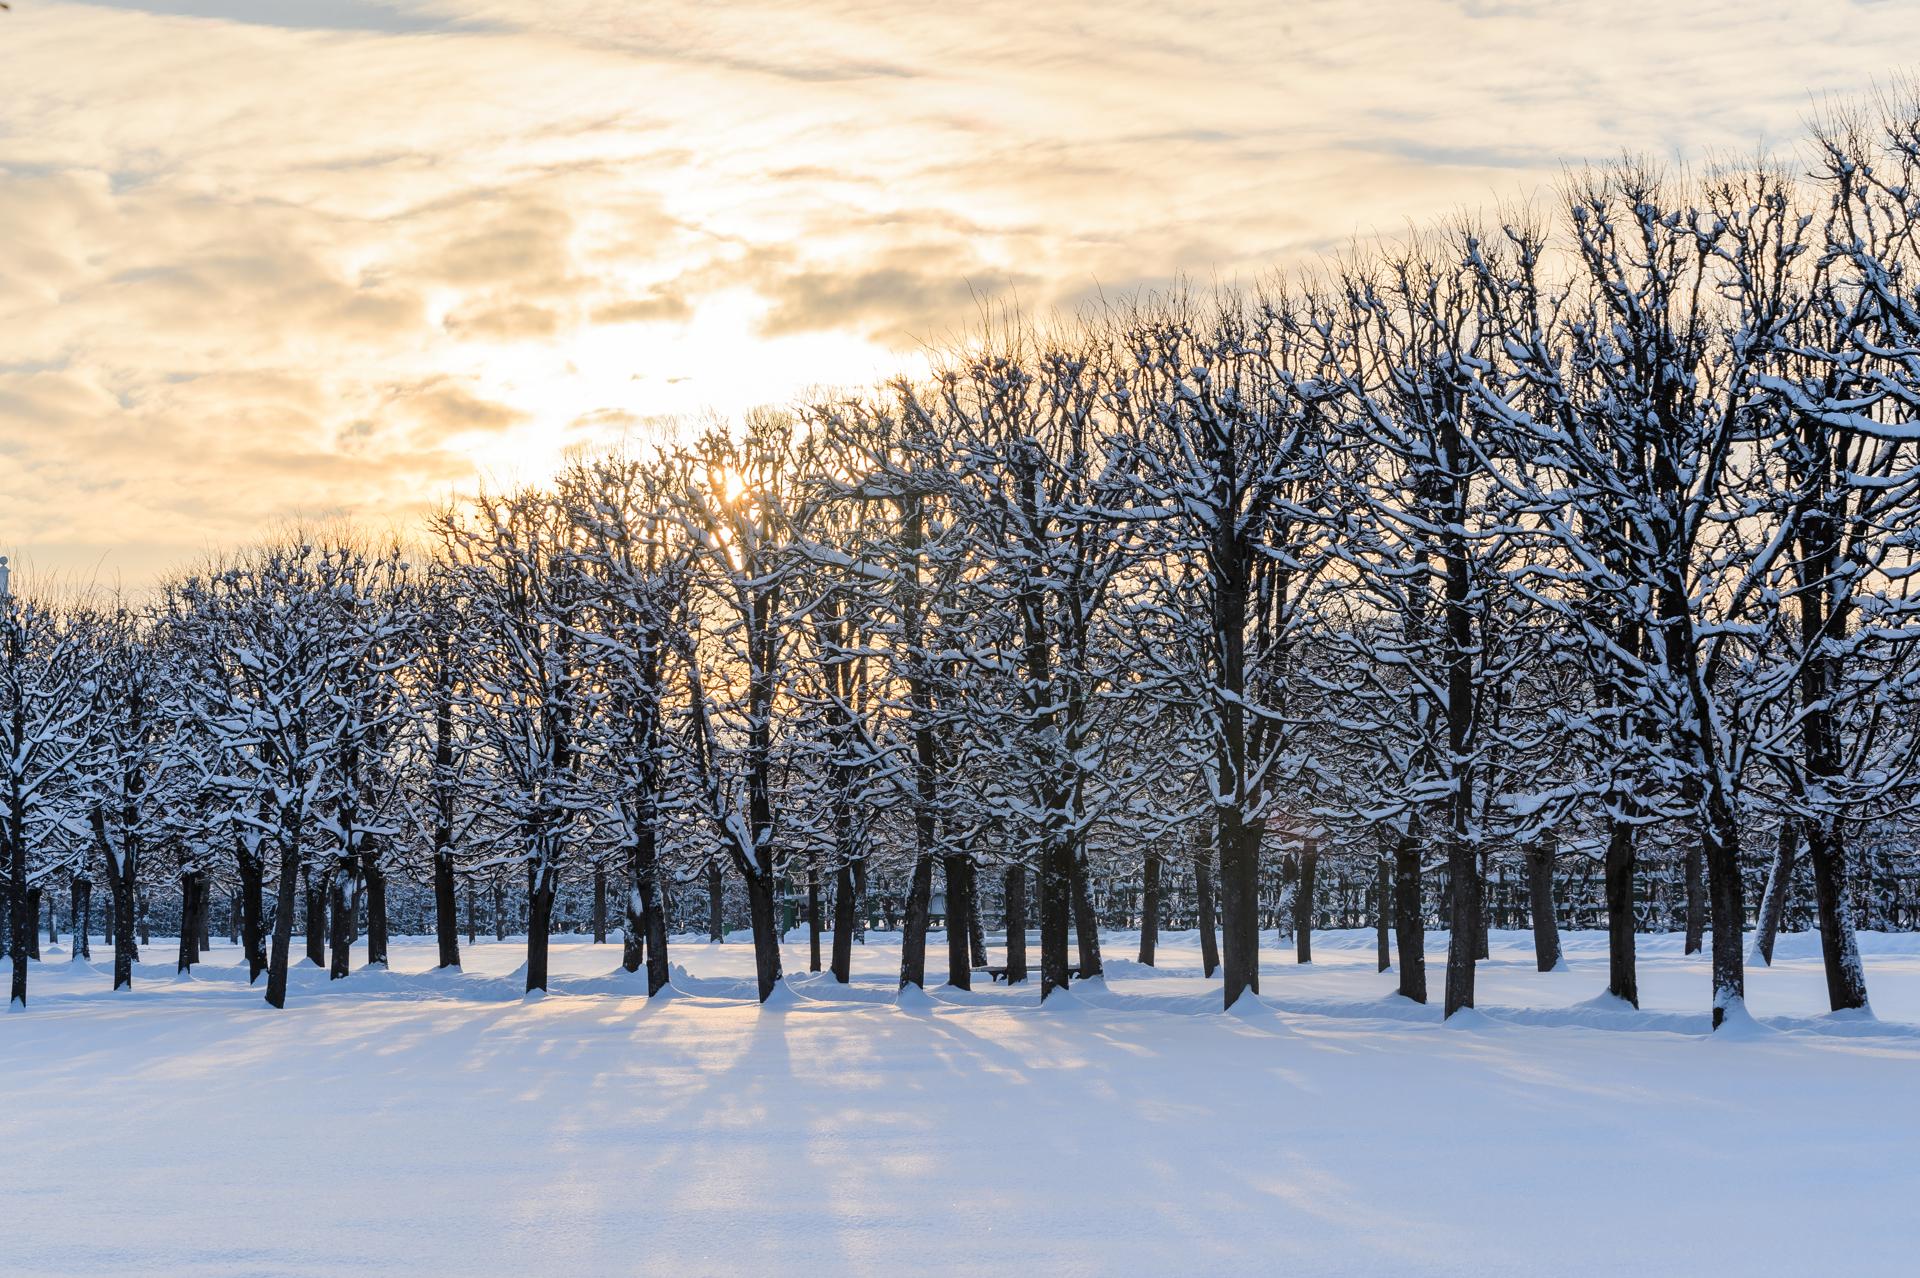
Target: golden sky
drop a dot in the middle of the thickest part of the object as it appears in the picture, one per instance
(275, 259)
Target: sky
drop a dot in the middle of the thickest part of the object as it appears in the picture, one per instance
(265, 261)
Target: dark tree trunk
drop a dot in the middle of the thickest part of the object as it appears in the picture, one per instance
(913, 936)
(1846, 978)
(340, 921)
(1086, 921)
(716, 899)
(1622, 981)
(1383, 910)
(1696, 897)
(316, 920)
(1826, 607)
(376, 881)
(860, 902)
(1482, 915)
(959, 955)
(1016, 891)
(1410, 925)
(599, 905)
(653, 912)
(1773, 903)
(143, 909)
(82, 920)
(539, 926)
(1203, 894)
(20, 944)
(122, 874)
(1303, 902)
(233, 920)
(188, 952)
(976, 925)
(34, 896)
(1463, 923)
(1239, 904)
(1546, 928)
(843, 911)
(1149, 909)
(499, 888)
(446, 907)
(253, 909)
(1056, 906)
(203, 915)
(288, 886)
(633, 917)
(813, 917)
(472, 923)
(766, 932)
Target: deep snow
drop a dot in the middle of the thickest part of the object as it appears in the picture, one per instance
(419, 1122)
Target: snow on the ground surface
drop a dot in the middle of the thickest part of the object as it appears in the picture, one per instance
(411, 1122)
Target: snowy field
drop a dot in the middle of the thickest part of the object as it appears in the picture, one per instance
(407, 1122)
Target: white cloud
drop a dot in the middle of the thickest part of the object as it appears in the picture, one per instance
(339, 255)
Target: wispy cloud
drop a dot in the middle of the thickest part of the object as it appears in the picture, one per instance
(268, 257)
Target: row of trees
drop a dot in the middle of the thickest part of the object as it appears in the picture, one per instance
(1519, 547)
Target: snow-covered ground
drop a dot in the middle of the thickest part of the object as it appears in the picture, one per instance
(410, 1122)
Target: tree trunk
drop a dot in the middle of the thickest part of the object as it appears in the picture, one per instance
(1086, 922)
(1016, 922)
(976, 926)
(716, 899)
(1410, 925)
(316, 920)
(1839, 949)
(766, 932)
(860, 902)
(1303, 902)
(1773, 902)
(959, 955)
(499, 888)
(376, 881)
(288, 886)
(1383, 911)
(252, 912)
(843, 911)
(472, 924)
(188, 952)
(653, 910)
(1622, 982)
(446, 908)
(82, 920)
(1056, 906)
(913, 936)
(122, 874)
(539, 925)
(1463, 922)
(1546, 928)
(633, 918)
(599, 905)
(813, 917)
(340, 921)
(1696, 897)
(1203, 894)
(1239, 904)
(1149, 909)
(1482, 915)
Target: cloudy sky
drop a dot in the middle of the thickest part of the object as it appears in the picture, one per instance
(273, 259)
